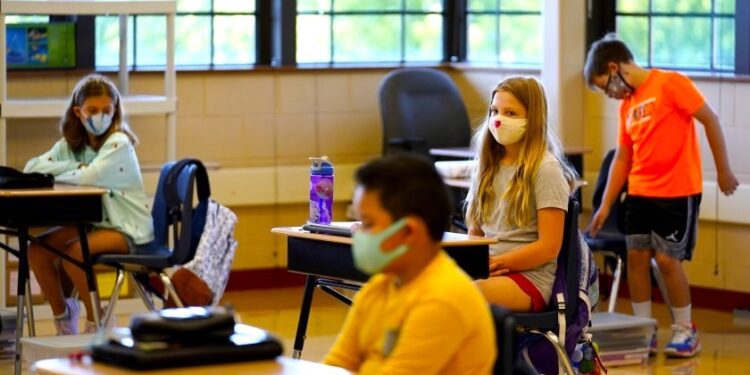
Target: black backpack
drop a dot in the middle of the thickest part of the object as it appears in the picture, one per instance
(13, 179)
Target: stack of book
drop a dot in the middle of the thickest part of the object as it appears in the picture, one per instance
(7, 333)
(622, 339)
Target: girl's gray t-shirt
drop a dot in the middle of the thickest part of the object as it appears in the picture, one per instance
(550, 190)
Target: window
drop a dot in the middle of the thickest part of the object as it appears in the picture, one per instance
(504, 31)
(687, 34)
(353, 31)
(207, 32)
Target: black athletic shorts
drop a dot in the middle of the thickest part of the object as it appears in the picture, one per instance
(667, 225)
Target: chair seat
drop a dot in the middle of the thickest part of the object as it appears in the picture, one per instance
(606, 240)
(543, 321)
(149, 255)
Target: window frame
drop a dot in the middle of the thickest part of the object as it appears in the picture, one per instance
(499, 12)
(261, 34)
(602, 19)
(712, 15)
(403, 13)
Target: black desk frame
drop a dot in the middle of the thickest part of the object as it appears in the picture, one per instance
(19, 213)
(328, 265)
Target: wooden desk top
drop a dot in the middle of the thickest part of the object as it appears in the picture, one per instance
(285, 366)
(57, 190)
(449, 238)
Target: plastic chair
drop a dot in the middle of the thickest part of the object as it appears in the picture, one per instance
(610, 239)
(186, 223)
(422, 109)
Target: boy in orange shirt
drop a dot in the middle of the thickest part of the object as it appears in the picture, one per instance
(659, 155)
(419, 313)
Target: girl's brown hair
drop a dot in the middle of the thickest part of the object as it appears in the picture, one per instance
(71, 127)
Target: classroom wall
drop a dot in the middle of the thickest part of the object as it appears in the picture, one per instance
(260, 127)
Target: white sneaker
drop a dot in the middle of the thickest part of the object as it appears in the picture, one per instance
(69, 326)
(90, 327)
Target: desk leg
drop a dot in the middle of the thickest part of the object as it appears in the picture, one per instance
(90, 278)
(23, 275)
(30, 308)
(304, 314)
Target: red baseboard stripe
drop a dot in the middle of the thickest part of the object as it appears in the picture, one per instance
(264, 278)
(703, 297)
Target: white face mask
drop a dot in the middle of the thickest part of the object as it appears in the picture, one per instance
(507, 130)
(97, 124)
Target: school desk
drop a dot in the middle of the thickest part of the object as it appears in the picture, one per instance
(327, 262)
(279, 366)
(21, 209)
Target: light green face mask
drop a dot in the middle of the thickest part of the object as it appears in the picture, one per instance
(368, 257)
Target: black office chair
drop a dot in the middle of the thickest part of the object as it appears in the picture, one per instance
(546, 323)
(184, 220)
(422, 109)
(610, 239)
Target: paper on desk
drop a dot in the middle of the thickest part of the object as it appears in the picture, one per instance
(455, 169)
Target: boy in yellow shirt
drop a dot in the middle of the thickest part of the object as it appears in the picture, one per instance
(419, 313)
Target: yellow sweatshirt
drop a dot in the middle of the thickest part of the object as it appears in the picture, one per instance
(438, 323)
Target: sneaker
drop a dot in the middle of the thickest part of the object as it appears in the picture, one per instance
(90, 327)
(69, 325)
(684, 342)
(654, 346)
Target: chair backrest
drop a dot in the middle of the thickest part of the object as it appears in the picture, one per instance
(616, 220)
(185, 219)
(571, 259)
(423, 107)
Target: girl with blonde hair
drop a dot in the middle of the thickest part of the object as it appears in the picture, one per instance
(518, 195)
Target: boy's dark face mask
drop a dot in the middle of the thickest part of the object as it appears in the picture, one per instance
(617, 88)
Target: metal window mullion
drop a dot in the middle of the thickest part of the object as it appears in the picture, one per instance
(497, 33)
(333, 13)
(649, 60)
(713, 35)
(263, 33)
(403, 31)
(135, 43)
(212, 47)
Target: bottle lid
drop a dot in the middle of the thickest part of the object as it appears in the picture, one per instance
(321, 166)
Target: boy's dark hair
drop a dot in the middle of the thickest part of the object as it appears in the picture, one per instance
(409, 184)
(602, 52)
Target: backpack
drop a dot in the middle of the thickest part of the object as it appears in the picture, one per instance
(535, 349)
(11, 178)
(202, 280)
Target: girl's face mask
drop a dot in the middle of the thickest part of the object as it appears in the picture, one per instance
(97, 124)
(507, 130)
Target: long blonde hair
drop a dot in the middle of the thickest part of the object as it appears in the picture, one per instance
(538, 139)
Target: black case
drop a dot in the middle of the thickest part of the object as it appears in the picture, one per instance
(247, 344)
(13, 179)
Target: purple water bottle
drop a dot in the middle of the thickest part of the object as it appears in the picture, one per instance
(321, 190)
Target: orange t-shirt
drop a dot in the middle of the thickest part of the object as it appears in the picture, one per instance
(656, 122)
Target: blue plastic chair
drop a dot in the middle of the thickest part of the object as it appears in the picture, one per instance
(186, 224)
